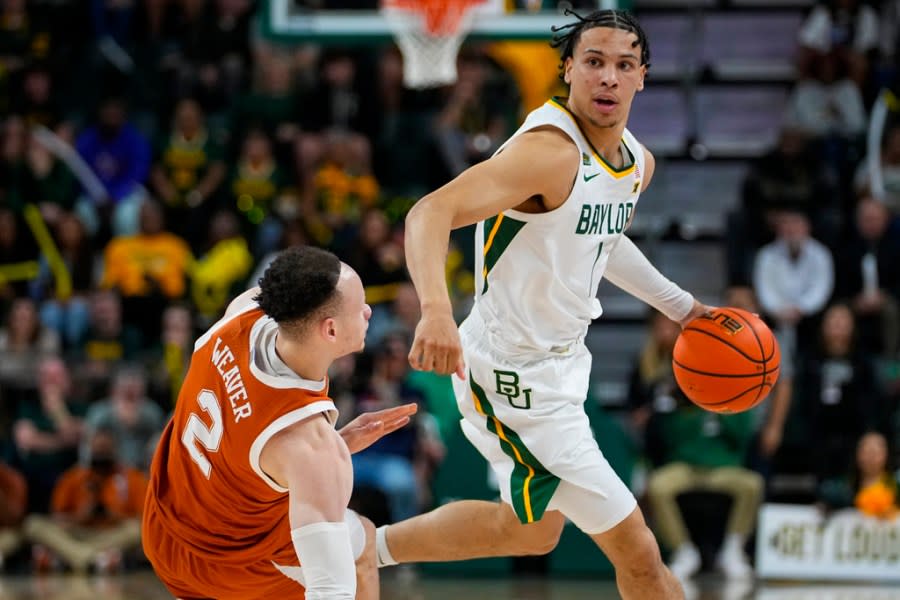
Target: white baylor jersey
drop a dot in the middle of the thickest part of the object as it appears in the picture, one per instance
(537, 274)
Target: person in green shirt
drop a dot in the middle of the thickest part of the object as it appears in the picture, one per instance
(703, 450)
(46, 431)
(188, 171)
(256, 184)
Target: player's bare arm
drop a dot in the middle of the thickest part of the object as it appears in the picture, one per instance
(513, 178)
(312, 461)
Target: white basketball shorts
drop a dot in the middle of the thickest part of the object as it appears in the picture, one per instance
(525, 414)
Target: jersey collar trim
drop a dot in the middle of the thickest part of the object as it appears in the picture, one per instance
(557, 103)
(282, 383)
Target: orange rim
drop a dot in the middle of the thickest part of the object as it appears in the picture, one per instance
(442, 17)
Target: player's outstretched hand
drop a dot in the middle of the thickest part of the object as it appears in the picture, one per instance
(436, 346)
(368, 428)
(698, 310)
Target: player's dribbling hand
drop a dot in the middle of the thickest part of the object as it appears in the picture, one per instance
(436, 346)
(368, 428)
(698, 310)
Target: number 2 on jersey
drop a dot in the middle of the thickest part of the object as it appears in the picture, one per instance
(209, 437)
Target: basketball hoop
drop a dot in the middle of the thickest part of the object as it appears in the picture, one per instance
(429, 34)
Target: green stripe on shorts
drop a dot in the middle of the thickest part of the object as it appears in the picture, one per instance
(531, 485)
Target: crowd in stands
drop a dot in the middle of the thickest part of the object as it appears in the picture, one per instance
(155, 155)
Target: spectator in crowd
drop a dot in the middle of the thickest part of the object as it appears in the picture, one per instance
(837, 393)
(218, 274)
(47, 431)
(400, 465)
(402, 317)
(29, 174)
(96, 511)
(13, 503)
(848, 27)
(871, 486)
(273, 104)
(890, 171)
(148, 269)
(24, 342)
(828, 104)
(254, 186)
(173, 356)
(343, 100)
(53, 187)
(789, 176)
(403, 152)
(37, 101)
(345, 187)
(868, 277)
(475, 118)
(793, 277)
(67, 310)
(133, 418)
(703, 450)
(188, 171)
(119, 156)
(379, 260)
(107, 341)
(14, 175)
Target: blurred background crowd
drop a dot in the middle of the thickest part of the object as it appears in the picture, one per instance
(154, 154)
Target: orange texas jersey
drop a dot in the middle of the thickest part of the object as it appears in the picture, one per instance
(207, 490)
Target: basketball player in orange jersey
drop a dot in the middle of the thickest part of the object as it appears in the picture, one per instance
(552, 206)
(250, 482)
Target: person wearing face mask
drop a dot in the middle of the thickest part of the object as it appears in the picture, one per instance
(95, 512)
(129, 414)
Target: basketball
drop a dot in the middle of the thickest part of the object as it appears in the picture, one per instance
(726, 362)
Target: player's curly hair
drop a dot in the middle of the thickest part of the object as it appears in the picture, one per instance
(299, 283)
(566, 37)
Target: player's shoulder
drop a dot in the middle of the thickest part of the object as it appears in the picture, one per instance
(545, 141)
(236, 319)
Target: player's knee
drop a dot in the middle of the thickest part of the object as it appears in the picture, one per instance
(545, 543)
(643, 558)
(534, 539)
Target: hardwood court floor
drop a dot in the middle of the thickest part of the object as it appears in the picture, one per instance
(144, 586)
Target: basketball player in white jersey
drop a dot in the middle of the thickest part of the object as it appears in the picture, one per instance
(552, 206)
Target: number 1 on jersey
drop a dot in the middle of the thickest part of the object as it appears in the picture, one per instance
(197, 431)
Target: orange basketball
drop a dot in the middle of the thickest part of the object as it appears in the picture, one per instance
(726, 362)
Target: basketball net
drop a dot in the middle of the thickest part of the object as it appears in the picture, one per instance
(429, 34)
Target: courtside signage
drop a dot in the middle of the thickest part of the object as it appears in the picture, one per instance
(797, 542)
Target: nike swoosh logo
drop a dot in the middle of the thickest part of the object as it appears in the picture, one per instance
(589, 177)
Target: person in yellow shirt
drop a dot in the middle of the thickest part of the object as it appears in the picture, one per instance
(148, 269)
